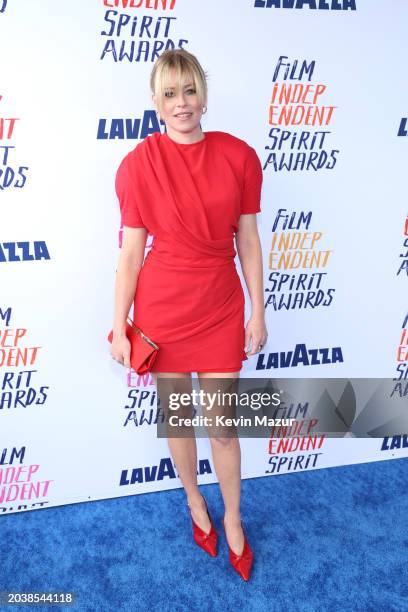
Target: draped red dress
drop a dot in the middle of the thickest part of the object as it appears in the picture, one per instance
(189, 197)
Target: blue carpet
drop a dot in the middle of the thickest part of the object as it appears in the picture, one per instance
(331, 539)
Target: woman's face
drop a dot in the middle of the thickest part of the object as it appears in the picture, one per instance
(181, 110)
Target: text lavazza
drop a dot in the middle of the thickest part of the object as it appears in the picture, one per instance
(223, 421)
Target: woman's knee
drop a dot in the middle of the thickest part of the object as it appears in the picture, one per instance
(222, 442)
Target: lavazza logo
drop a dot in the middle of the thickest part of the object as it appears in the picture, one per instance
(320, 5)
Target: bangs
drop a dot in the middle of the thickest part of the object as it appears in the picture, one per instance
(183, 73)
(186, 69)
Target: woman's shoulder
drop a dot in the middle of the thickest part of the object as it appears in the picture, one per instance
(237, 146)
(132, 156)
(229, 140)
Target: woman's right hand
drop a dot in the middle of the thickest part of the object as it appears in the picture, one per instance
(120, 349)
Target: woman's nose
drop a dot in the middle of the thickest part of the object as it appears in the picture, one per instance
(180, 99)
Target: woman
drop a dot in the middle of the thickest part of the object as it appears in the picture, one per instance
(193, 191)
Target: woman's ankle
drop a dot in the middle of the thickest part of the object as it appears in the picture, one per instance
(232, 519)
(195, 499)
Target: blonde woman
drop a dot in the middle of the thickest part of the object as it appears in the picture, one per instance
(194, 192)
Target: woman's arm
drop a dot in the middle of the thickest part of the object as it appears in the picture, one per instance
(129, 265)
(250, 255)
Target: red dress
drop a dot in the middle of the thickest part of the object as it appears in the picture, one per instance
(189, 197)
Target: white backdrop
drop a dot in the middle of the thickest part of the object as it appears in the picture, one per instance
(71, 420)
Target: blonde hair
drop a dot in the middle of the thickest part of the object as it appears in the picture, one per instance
(186, 66)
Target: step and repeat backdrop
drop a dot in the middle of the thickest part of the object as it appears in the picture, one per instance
(318, 88)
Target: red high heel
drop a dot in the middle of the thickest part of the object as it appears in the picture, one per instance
(206, 541)
(242, 563)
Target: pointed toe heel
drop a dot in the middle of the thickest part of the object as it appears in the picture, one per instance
(242, 563)
(206, 541)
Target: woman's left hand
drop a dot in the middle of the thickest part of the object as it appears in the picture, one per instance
(256, 332)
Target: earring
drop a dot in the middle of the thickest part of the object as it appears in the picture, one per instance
(204, 111)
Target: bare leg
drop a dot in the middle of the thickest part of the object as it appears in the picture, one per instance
(184, 453)
(226, 454)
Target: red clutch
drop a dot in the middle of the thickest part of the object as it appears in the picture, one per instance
(143, 351)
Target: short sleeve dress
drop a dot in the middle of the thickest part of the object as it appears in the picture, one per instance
(189, 197)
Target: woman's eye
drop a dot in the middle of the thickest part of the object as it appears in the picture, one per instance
(169, 94)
